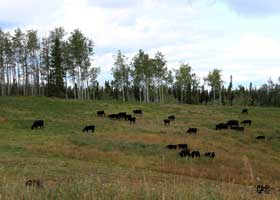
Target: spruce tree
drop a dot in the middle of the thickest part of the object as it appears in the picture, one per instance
(57, 71)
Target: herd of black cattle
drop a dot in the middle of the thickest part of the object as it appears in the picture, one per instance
(185, 151)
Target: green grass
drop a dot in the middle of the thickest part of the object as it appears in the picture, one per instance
(129, 161)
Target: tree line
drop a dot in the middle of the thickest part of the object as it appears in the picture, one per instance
(60, 65)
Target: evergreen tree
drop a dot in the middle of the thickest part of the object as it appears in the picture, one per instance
(57, 71)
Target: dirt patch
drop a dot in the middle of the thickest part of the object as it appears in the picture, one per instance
(2, 120)
(73, 151)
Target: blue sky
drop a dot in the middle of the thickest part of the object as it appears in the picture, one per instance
(237, 36)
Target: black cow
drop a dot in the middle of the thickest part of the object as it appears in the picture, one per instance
(34, 183)
(210, 154)
(195, 154)
(101, 113)
(221, 126)
(38, 124)
(185, 153)
(192, 130)
(132, 120)
(237, 128)
(121, 115)
(247, 121)
(113, 116)
(171, 117)
(166, 121)
(137, 112)
(182, 146)
(232, 123)
(127, 117)
(171, 146)
(260, 137)
(89, 128)
(244, 111)
(207, 154)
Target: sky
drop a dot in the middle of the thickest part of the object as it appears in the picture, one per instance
(240, 37)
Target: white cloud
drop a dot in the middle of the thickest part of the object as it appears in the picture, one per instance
(201, 33)
(29, 11)
(254, 7)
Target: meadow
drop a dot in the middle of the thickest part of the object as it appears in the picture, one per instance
(129, 161)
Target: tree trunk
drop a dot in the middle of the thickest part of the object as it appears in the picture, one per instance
(220, 91)
(123, 95)
(181, 94)
(214, 93)
(147, 91)
(140, 94)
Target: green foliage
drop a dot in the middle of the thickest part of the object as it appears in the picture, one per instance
(57, 73)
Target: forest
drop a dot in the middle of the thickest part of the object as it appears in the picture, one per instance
(60, 65)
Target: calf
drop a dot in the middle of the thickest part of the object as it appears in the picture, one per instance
(260, 137)
(221, 126)
(244, 111)
(247, 121)
(89, 128)
(38, 124)
(195, 154)
(101, 113)
(237, 128)
(127, 117)
(192, 130)
(137, 112)
(34, 183)
(132, 120)
(182, 146)
(185, 153)
(166, 121)
(171, 118)
(232, 123)
(171, 146)
(210, 154)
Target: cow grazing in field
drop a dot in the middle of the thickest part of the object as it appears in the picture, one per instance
(166, 122)
(213, 155)
(232, 123)
(221, 126)
(132, 120)
(171, 117)
(101, 113)
(237, 128)
(89, 128)
(195, 154)
(192, 130)
(260, 137)
(34, 183)
(244, 111)
(121, 115)
(113, 116)
(38, 124)
(247, 121)
(185, 153)
(137, 112)
(171, 146)
(210, 154)
(182, 146)
(127, 117)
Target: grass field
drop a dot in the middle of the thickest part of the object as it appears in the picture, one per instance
(127, 161)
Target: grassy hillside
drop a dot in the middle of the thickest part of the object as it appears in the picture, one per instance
(127, 161)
